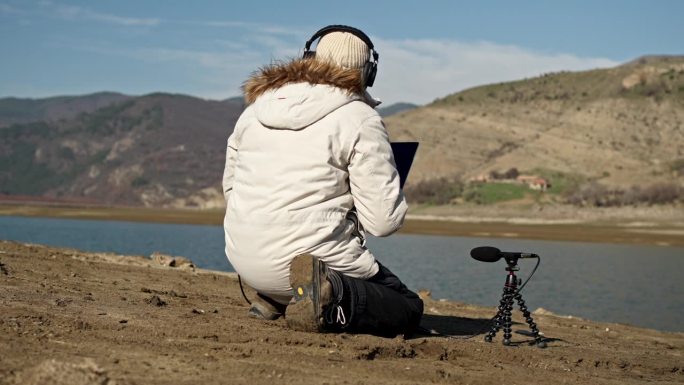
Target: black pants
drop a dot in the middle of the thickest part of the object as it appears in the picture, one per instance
(381, 305)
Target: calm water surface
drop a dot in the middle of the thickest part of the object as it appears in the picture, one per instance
(639, 285)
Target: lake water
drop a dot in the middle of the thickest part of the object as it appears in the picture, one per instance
(638, 285)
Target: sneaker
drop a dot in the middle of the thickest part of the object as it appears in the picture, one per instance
(265, 308)
(312, 293)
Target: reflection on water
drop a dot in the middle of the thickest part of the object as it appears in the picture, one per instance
(639, 285)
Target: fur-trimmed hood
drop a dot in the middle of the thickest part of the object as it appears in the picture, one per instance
(294, 95)
(301, 71)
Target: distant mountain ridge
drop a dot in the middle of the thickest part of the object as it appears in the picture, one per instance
(25, 110)
(395, 108)
(621, 126)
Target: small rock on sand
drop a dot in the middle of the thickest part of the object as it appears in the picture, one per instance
(171, 261)
(79, 372)
(156, 301)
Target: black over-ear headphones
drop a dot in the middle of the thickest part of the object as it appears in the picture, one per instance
(369, 69)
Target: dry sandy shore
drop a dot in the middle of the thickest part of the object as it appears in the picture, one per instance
(70, 317)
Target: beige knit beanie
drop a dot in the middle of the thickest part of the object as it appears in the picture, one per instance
(344, 49)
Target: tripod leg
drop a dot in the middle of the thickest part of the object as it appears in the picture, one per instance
(498, 320)
(528, 317)
(508, 297)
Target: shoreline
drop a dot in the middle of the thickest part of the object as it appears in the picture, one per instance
(614, 230)
(73, 317)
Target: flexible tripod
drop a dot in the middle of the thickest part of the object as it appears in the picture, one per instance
(503, 316)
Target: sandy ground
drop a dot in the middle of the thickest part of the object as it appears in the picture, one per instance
(70, 317)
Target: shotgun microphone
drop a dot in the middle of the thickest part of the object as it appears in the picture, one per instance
(492, 254)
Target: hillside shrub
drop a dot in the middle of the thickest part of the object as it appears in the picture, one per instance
(678, 166)
(659, 193)
(66, 153)
(25, 131)
(435, 191)
(505, 148)
(561, 183)
(511, 173)
(595, 194)
(139, 182)
(22, 175)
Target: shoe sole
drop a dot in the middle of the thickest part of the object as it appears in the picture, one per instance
(305, 313)
(259, 311)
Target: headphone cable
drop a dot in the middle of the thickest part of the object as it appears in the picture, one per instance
(242, 290)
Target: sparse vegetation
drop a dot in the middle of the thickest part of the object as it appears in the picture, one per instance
(105, 121)
(20, 174)
(27, 131)
(489, 193)
(505, 148)
(440, 191)
(139, 182)
(595, 194)
(511, 173)
(66, 153)
(560, 182)
(655, 89)
(502, 187)
(444, 191)
(677, 166)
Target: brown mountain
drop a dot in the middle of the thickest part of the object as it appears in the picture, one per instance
(621, 126)
(155, 150)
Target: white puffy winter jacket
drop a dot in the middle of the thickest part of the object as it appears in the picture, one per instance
(300, 158)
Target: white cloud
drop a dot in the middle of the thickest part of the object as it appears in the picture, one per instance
(278, 48)
(420, 71)
(71, 12)
(254, 27)
(216, 74)
(416, 71)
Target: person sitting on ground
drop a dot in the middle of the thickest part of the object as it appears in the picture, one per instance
(309, 171)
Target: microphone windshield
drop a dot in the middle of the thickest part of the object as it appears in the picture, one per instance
(486, 254)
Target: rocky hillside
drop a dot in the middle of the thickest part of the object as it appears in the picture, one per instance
(621, 126)
(155, 150)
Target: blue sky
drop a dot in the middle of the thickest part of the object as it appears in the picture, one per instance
(428, 49)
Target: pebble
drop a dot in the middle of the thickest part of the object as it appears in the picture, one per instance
(156, 301)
